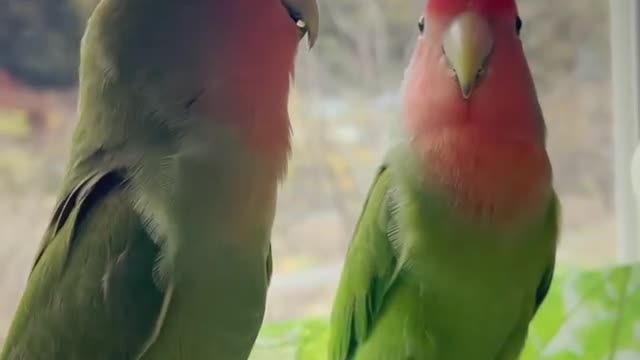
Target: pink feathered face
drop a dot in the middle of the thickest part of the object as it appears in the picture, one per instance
(481, 6)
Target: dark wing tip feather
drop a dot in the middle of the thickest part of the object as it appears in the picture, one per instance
(83, 197)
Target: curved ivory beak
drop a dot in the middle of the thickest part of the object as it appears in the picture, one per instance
(307, 11)
(467, 45)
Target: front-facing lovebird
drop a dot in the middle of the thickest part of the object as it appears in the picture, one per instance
(454, 251)
(159, 243)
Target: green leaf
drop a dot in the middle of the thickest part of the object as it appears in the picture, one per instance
(588, 315)
(296, 340)
(592, 315)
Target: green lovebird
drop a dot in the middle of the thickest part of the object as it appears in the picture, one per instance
(159, 244)
(455, 249)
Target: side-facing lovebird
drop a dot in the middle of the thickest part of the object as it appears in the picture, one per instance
(454, 251)
(159, 244)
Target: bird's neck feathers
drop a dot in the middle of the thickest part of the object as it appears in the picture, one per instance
(487, 177)
(486, 153)
(253, 102)
(255, 73)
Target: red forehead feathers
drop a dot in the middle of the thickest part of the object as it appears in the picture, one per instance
(458, 6)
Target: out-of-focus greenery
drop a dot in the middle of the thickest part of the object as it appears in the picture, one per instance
(590, 315)
(15, 124)
(304, 339)
(40, 39)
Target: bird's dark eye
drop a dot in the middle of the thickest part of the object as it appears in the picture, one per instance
(421, 24)
(298, 20)
(518, 25)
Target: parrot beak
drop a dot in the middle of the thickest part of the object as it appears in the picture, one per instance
(307, 17)
(467, 45)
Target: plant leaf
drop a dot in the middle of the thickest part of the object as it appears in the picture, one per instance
(588, 315)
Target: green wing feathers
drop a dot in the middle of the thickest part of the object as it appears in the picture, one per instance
(91, 289)
(553, 227)
(368, 273)
(74, 205)
(370, 278)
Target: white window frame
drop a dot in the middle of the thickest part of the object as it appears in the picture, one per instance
(625, 62)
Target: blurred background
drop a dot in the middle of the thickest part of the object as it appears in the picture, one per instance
(346, 96)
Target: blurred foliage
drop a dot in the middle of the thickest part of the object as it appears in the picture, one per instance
(292, 340)
(590, 315)
(39, 39)
(14, 124)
